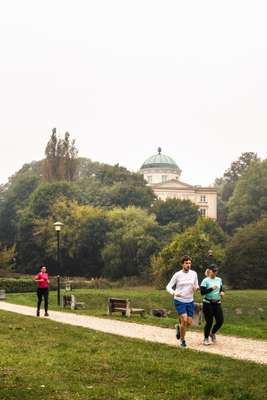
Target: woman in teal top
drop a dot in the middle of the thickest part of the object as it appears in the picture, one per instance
(212, 290)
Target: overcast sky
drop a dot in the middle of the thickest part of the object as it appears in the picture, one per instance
(124, 77)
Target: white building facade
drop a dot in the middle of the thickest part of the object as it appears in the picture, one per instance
(163, 175)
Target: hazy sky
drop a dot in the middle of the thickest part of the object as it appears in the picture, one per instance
(124, 77)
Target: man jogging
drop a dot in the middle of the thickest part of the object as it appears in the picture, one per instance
(185, 283)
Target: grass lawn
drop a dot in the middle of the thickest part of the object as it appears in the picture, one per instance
(245, 311)
(40, 359)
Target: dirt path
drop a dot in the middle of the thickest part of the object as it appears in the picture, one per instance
(229, 346)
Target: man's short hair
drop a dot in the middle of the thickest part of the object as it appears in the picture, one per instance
(185, 258)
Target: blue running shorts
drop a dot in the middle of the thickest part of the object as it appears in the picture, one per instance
(184, 308)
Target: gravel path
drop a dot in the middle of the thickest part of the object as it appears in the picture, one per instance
(229, 346)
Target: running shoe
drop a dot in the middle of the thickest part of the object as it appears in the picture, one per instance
(213, 337)
(183, 343)
(206, 342)
(46, 314)
(177, 328)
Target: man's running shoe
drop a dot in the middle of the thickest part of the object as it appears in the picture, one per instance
(183, 343)
(213, 337)
(177, 328)
(206, 342)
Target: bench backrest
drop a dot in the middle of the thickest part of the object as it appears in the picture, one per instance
(2, 294)
(118, 303)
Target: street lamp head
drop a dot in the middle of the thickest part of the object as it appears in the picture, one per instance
(210, 253)
(58, 225)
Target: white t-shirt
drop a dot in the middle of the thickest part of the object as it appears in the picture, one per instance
(184, 283)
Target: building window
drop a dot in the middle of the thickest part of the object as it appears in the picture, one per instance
(149, 179)
(164, 178)
(203, 212)
(203, 199)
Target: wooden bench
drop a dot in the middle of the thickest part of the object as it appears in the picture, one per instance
(2, 294)
(123, 306)
(69, 300)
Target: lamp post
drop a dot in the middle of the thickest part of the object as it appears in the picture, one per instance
(58, 225)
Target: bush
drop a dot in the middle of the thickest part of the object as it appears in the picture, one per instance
(17, 285)
(245, 265)
(98, 283)
(13, 285)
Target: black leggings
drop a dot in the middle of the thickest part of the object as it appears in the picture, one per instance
(210, 311)
(42, 292)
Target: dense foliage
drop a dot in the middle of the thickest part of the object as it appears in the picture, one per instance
(196, 241)
(246, 257)
(115, 227)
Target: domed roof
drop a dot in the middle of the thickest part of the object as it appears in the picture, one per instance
(160, 161)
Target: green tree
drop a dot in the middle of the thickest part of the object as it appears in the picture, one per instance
(15, 198)
(81, 240)
(29, 252)
(245, 265)
(249, 201)
(46, 194)
(183, 212)
(211, 228)
(108, 174)
(226, 185)
(125, 194)
(129, 243)
(238, 167)
(83, 237)
(7, 257)
(196, 243)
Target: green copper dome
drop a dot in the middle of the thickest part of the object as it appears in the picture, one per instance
(159, 161)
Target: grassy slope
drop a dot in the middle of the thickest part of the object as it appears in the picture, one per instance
(76, 363)
(250, 323)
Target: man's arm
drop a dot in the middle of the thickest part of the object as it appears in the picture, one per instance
(170, 285)
(196, 285)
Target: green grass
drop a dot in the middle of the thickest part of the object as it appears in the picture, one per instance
(44, 360)
(252, 322)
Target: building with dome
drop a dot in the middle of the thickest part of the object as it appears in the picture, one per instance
(163, 175)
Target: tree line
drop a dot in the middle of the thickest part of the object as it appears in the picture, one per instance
(115, 227)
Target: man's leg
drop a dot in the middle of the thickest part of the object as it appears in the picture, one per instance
(181, 311)
(183, 325)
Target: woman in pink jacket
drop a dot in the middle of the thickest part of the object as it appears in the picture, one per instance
(42, 289)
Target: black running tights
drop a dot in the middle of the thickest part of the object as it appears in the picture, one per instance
(42, 292)
(211, 311)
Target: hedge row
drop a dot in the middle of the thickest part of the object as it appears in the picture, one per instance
(21, 285)
(12, 285)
